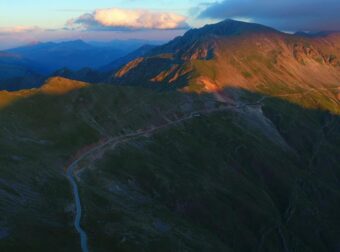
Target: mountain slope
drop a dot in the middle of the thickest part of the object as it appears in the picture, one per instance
(261, 174)
(243, 55)
(41, 129)
(217, 183)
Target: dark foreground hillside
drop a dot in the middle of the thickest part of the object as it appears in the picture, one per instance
(221, 182)
(247, 173)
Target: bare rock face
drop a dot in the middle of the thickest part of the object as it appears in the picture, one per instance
(303, 54)
(128, 67)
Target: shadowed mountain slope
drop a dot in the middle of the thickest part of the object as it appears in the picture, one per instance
(255, 174)
(41, 129)
(85, 74)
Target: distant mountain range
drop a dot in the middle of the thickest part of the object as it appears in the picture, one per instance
(28, 66)
(104, 73)
(76, 54)
(129, 45)
(116, 64)
(71, 54)
(18, 73)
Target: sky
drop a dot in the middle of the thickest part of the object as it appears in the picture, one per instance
(25, 21)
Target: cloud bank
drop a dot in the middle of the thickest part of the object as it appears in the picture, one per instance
(18, 29)
(293, 15)
(124, 19)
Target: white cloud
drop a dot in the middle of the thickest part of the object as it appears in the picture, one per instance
(125, 19)
(19, 29)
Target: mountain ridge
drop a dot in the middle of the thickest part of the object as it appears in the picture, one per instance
(242, 55)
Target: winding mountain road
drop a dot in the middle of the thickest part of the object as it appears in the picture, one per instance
(114, 141)
(82, 233)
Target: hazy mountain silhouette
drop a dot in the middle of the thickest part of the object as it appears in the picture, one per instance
(18, 73)
(71, 54)
(114, 65)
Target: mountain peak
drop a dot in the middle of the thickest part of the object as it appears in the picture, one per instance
(75, 42)
(226, 28)
(59, 85)
(79, 44)
(230, 27)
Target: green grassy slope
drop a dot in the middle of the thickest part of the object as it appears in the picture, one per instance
(40, 131)
(257, 176)
(220, 183)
